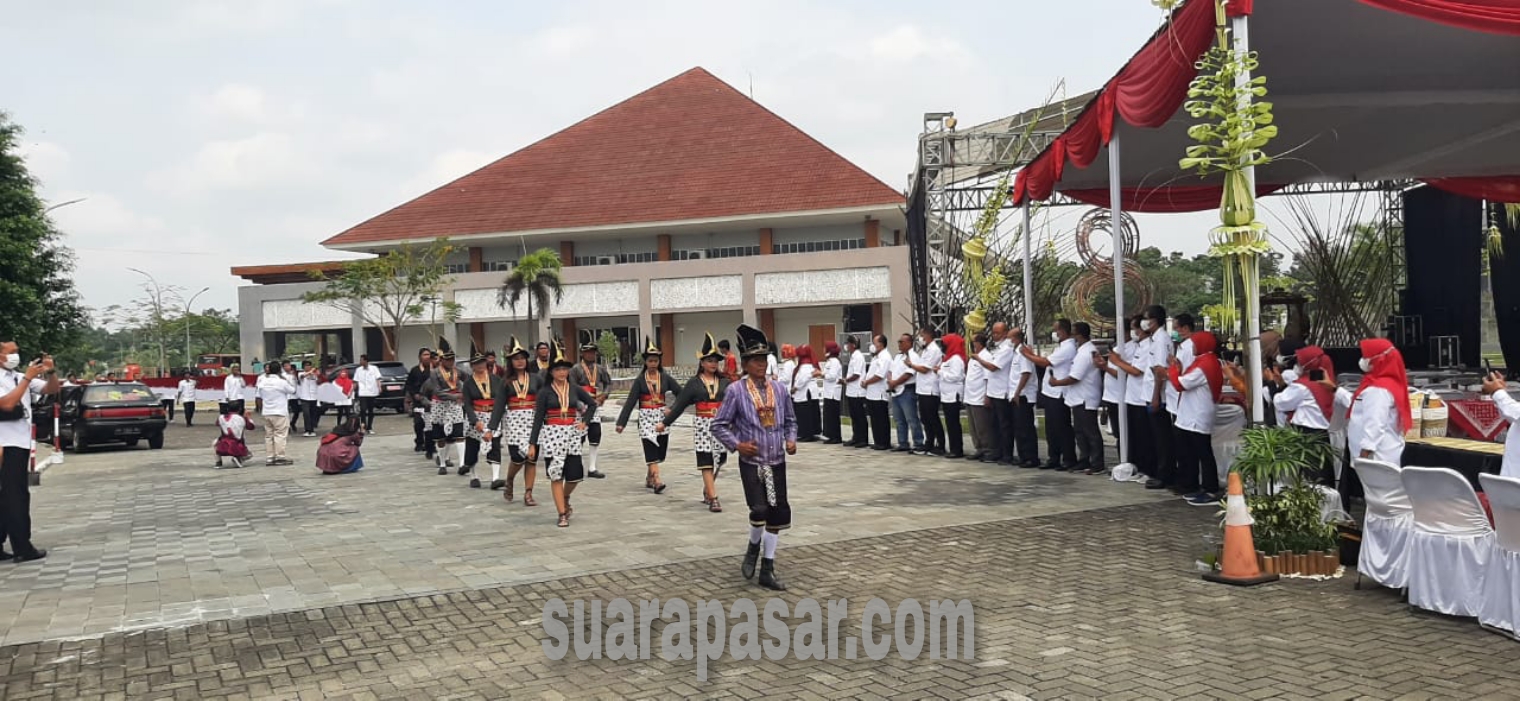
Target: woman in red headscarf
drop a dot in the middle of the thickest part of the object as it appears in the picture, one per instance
(833, 393)
(1308, 403)
(952, 387)
(1379, 409)
(1199, 385)
(804, 385)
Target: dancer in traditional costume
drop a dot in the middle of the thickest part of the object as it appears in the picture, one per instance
(523, 386)
(485, 402)
(705, 392)
(756, 421)
(445, 410)
(558, 422)
(592, 376)
(648, 394)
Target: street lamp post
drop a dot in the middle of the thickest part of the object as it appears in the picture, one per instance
(187, 324)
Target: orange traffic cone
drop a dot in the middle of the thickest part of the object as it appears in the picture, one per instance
(1238, 566)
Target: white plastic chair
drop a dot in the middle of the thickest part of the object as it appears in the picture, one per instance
(1229, 421)
(1386, 527)
(1500, 607)
(1451, 544)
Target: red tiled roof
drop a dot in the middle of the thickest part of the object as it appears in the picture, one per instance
(691, 147)
(288, 272)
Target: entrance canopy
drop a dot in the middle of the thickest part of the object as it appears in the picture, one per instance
(1363, 90)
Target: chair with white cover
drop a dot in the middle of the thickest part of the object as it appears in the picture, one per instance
(1386, 527)
(1500, 607)
(1451, 544)
(1229, 422)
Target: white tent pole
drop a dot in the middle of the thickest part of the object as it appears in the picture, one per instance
(1242, 43)
(1115, 225)
(1028, 274)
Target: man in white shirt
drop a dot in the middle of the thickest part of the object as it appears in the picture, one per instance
(1023, 395)
(924, 359)
(275, 393)
(1182, 326)
(1060, 440)
(232, 389)
(1130, 362)
(833, 395)
(978, 407)
(877, 400)
(855, 394)
(1082, 390)
(306, 392)
(17, 391)
(367, 382)
(901, 381)
(185, 395)
(996, 360)
(1158, 358)
(1493, 386)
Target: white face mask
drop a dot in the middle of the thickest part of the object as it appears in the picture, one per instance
(12, 360)
(1147, 325)
(1134, 335)
(1055, 337)
(1365, 364)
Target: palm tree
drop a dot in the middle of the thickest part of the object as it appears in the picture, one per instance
(536, 278)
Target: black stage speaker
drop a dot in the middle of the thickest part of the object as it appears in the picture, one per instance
(1504, 280)
(1443, 240)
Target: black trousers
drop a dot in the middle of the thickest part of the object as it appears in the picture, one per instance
(860, 426)
(311, 412)
(765, 493)
(655, 451)
(1060, 439)
(1089, 439)
(168, 408)
(189, 413)
(419, 432)
(1196, 469)
(1111, 416)
(341, 412)
(1166, 457)
(367, 412)
(928, 415)
(472, 451)
(1142, 445)
(16, 500)
(1003, 431)
(1025, 433)
(881, 423)
(954, 443)
(831, 428)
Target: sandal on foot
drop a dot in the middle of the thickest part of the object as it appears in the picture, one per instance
(564, 520)
(528, 498)
(659, 488)
(508, 493)
(714, 506)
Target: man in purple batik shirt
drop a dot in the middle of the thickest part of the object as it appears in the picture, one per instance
(756, 422)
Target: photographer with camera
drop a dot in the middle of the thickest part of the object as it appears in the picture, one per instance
(17, 391)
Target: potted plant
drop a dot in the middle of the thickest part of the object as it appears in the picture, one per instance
(1277, 465)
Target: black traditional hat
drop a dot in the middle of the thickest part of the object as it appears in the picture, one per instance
(475, 355)
(752, 342)
(651, 349)
(514, 348)
(559, 360)
(445, 351)
(588, 341)
(709, 349)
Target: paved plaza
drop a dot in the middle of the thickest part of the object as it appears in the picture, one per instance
(169, 579)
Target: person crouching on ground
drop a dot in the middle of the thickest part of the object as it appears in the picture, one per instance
(230, 444)
(339, 452)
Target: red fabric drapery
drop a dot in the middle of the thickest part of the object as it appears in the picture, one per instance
(1493, 16)
(1501, 189)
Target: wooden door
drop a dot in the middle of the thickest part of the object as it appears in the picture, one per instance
(817, 336)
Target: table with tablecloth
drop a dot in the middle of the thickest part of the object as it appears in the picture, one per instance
(1478, 419)
(1468, 457)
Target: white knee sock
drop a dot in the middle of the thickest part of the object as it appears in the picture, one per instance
(458, 453)
(591, 454)
(495, 471)
(770, 541)
(754, 533)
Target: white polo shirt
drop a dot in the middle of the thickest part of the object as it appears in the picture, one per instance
(1022, 365)
(1185, 358)
(857, 369)
(367, 380)
(899, 370)
(952, 379)
(976, 382)
(1088, 392)
(880, 366)
(927, 383)
(232, 388)
(832, 376)
(1158, 354)
(276, 394)
(1060, 368)
(1195, 404)
(18, 433)
(1002, 355)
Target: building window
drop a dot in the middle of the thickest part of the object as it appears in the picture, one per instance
(818, 246)
(456, 268)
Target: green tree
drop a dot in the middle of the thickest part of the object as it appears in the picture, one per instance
(536, 279)
(391, 289)
(154, 316)
(607, 345)
(42, 311)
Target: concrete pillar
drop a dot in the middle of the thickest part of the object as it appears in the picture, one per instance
(567, 332)
(668, 337)
(747, 302)
(356, 327)
(765, 241)
(477, 259)
(872, 233)
(567, 252)
(877, 319)
(646, 315)
(768, 323)
(662, 243)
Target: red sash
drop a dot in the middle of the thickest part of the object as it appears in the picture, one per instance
(649, 401)
(528, 402)
(708, 409)
(561, 422)
(485, 405)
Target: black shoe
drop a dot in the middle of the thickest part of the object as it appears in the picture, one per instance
(1066, 468)
(1050, 465)
(955, 456)
(832, 441)
(37, 554)
(768, 577)
(1005, 463)
(474, 483)
(596, 474)
(465, 470)
(879, 447)
(443, 470)
(419, 449)
(6, 556)
(498, 484)
(1154, 483)
(937, 451)
(751, 556)
(1031, 464)
(902, 449)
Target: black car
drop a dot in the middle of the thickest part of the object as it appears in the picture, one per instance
(104, 412)
(392, 384)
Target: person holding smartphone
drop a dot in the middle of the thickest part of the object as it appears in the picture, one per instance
(1307, 402)
(1509, 408)
(17, 392)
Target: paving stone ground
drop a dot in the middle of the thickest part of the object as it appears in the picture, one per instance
(1082, 589)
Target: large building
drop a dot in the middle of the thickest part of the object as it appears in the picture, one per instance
(684, 209)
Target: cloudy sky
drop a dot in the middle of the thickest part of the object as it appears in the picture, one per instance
(209, 133)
